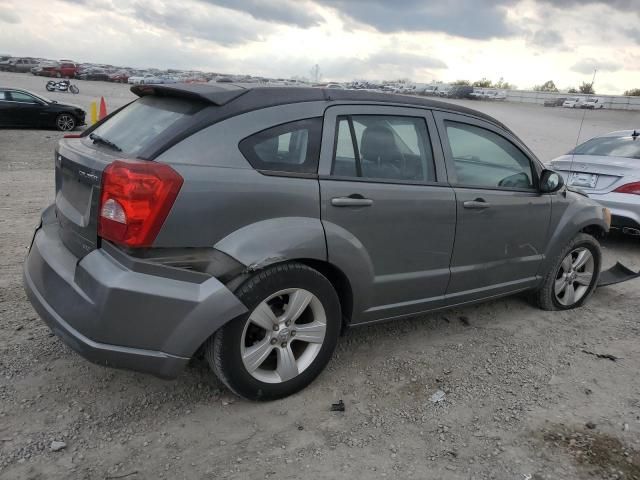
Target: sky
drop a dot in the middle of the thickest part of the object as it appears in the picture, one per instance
(522, 41)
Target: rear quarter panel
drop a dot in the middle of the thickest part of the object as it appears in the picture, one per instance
(224, 203)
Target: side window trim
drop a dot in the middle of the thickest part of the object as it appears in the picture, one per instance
(441, 117)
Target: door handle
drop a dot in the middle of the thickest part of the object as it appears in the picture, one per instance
(477, 204)
(351, 201)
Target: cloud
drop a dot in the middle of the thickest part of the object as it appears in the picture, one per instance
(586, 65)
(288, 12)
(8, 16)
(202, 22)
(633, 33)
(547, 38)
(464, 18)
(616, 4)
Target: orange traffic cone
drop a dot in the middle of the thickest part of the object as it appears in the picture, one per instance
(103, 109)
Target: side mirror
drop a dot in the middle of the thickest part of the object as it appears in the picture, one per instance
(550, 181)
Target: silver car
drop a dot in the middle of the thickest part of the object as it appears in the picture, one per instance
(607, 168)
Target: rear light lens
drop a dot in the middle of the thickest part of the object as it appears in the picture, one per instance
(135, 200)
(633, 188)
(73, 135)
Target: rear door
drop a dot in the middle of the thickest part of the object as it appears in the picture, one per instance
(387, 210)
(502, 218)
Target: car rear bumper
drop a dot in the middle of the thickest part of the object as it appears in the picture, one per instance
(625, 208)
(119, 312)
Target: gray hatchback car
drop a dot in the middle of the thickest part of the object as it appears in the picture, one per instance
(253, 224)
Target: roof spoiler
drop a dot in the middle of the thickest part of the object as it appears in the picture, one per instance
(215, 94)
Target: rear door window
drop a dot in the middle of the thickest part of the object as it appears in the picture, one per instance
(292, 147)
(383, 147)
(138, 124)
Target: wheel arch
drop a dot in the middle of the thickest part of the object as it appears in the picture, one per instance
(340, 283)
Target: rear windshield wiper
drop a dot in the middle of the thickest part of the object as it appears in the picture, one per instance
(98, 139)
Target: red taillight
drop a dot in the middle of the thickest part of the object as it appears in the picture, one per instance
(633, 188)
(72, 135)
(135, 200)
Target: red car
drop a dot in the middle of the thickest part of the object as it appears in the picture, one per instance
(62, 69)
(119, 77)
(66, 69)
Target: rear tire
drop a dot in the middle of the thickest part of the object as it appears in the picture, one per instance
(260, 361)
(573, 276)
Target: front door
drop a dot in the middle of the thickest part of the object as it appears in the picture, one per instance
(388, 212)
(503, 219)
(27, 110)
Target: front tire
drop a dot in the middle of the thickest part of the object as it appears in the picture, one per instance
(573, 276)
(285, 340)
(65, 122)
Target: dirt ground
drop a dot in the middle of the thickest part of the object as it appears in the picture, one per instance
(523, 400)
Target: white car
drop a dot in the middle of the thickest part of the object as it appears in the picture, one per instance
(147, 78)
(495, 95)
(607, 168)
(593, 103)
(573, 102)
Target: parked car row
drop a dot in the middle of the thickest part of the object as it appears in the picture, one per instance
(592, 103)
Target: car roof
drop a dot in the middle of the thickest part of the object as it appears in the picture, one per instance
(252, 97)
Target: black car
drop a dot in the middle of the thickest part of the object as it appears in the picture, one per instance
(93, 75)
(21, 108)
(460, 91)
(554, 102)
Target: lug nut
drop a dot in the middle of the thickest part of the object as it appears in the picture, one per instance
(276, 327)
(293, 333)
(274, 341)
(283, 344)
(287, 323)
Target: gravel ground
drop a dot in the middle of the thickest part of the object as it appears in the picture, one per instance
(522, 399)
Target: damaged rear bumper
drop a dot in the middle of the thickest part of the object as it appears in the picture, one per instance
(116, 311)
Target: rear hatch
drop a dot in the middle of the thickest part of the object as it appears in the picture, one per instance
(595, 173)
(149, 122)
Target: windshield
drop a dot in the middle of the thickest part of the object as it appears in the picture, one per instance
(140, 122)
(628, 147)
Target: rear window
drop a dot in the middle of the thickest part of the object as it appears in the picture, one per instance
(292, 147)
(135, 126)
(628, 147)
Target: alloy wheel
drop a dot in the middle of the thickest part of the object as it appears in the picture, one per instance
(574, 276)
(283, 335)
(65, 123)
